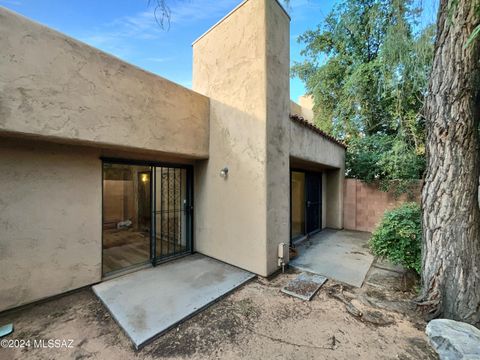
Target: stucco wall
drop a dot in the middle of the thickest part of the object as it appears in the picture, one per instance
(302, 111)
(278, 130)
(50, 220)
(57, 87)
(229, 67)
(307, 145)
(334, 198)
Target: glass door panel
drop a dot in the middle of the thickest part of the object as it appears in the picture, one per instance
(298, 203)
(126, 216)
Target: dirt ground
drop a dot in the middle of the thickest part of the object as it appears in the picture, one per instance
(255, 322)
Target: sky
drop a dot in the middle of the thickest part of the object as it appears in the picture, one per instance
(127, 29)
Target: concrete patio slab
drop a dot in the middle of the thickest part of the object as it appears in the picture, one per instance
(338, 255)
(149, 302)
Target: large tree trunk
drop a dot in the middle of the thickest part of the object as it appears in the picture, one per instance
(451, 215)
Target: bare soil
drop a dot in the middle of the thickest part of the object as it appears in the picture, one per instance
(257, 321)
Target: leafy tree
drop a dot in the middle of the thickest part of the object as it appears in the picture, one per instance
(368, 72)
(374, 71)
(385, 159)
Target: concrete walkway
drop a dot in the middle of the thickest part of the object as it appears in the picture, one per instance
(148, 302)
(339, 255)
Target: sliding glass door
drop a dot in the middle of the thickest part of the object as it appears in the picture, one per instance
(147, 213)
(305, 203)
(298, 204)
(126, 216)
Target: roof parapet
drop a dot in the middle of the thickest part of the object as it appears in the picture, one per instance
(230, 13)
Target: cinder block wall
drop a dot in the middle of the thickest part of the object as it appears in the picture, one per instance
(364, 204)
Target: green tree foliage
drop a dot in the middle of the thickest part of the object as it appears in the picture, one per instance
(385, 159)
(399, 237)
(368, 70)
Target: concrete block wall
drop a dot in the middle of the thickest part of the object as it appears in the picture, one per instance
(364, 204)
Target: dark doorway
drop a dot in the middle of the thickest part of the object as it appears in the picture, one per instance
(314, 202)
(305, 203)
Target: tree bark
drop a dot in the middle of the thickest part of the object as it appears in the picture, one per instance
(451, 214)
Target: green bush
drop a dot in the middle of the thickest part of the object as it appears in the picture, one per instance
(398, 238)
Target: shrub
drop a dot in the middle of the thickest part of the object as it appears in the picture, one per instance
(398, 238)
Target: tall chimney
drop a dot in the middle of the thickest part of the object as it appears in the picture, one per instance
(242, 63)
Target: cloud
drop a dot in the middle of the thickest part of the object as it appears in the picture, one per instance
(143, 25)
(159, 59)
(118, 36)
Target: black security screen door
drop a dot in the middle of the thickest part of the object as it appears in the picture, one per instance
(147, 213)
(313, 201)
(171, 212)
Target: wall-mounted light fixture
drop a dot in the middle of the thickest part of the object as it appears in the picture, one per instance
(224, 172)
(144, 178)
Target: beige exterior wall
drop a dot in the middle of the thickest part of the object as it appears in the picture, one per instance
(50, 220)
(334, 198)
(278, 130)
(308, 148)
(307, 145)
(306, 101)
(242, 65)
(229, 67)
(56, 87)
(305, 112)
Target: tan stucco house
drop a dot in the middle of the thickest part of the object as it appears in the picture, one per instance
(106, 168)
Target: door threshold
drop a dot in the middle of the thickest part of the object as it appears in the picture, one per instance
(126, 271)
(147, 265)
(302, 239)
(172, 257)
(299, 240)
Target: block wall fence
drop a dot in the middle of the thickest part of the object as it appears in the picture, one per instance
(365, 204)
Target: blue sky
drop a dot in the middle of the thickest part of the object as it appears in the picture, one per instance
(127, 29)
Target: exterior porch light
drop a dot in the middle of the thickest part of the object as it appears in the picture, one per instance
(224, 172)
